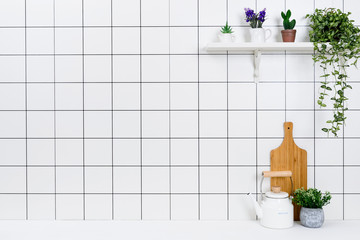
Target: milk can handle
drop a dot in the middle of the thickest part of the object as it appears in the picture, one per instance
(271, 174)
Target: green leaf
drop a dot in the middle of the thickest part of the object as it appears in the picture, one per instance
(288, 14)
(283, 15)
(226, 29)
(332, 26)
(292, 24)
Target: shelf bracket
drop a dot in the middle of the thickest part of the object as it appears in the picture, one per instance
(257, 58)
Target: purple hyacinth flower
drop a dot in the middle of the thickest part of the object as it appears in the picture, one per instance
(262, 14)
(255, 19)
(250, 14)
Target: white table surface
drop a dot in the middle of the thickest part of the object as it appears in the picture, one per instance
(170, 230)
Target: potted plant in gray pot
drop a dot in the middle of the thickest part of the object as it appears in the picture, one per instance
(312, 202)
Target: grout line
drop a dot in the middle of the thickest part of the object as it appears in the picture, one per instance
(227, 146)
(169, 102)
(112, 112)
(343, 172)
(55, 133)
(174, 110)
(314, 112)
(154, 193)
(227, 143)
(314, 5)
(343, 142)
(138, 138)
(256, 134)
(83, 105)
(285, 83)
(167, 165)
(274, 53)
(343, 153)
(147, 26)
(141, 118)
(198, 106)
(227, 123)
(26, 119)
(177, 82)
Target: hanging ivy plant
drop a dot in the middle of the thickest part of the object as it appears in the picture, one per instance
(336, 47)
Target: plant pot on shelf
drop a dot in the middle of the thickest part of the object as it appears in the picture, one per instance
(226, 37)
(288, 35)
(259, 35)
(312, 217)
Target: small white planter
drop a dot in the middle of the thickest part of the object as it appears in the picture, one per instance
(226, 37)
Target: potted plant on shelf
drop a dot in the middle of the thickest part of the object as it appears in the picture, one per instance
(226, 34)
(289, 33)
(256, 20)
(312, 202)
(336, 47)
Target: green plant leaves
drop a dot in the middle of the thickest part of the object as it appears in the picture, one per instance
(292, 24)
(288, 14)
(283, 15)
(287, 23)
(337, 46)
(226, 29)
(311, 198)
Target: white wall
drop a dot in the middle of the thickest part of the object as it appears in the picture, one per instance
(114, 110)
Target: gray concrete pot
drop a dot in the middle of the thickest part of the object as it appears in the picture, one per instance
(312, 217)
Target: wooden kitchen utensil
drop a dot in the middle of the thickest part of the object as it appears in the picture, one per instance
(289, 157)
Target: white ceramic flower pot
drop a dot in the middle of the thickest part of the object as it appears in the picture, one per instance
(259, 35)
(226, 37)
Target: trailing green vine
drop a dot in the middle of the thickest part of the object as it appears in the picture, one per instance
(336, 47)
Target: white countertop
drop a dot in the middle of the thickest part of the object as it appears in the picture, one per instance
(170, 230)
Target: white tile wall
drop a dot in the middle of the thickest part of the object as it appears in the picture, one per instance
(41, 206)
(114, 110)
(127, 207)
(12, 13)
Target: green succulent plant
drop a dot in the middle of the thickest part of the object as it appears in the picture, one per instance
(311, 198)
(226, 29)
(287, 23)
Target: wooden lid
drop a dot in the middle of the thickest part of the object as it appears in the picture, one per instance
(276, 189)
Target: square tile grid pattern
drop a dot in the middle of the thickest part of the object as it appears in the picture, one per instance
(113, 109)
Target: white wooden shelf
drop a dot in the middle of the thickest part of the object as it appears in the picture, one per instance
(272, 46)
(257, 48)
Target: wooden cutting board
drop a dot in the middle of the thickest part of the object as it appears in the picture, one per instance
(289, 157)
